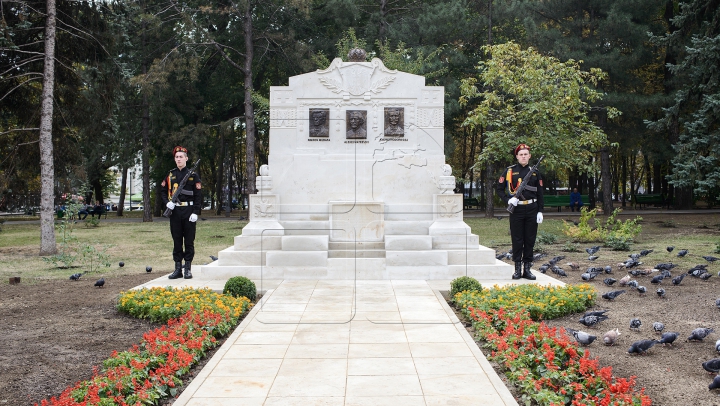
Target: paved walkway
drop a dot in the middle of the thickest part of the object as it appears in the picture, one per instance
(332, 342)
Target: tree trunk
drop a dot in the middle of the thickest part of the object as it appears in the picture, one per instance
(249, 110)
(147, 210)
(47, 168)
(624, 181)
(123, 190)
(606, 181)
(489, 190)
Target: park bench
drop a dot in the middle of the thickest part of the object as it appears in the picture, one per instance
(639, 200)
(99, 210)
(561, 201)
(473, 201)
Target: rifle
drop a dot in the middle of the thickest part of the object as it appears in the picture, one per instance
(176, 196)
(523, 185)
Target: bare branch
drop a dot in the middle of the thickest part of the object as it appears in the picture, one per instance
(25, 62)
(13, 89)
(19, 129)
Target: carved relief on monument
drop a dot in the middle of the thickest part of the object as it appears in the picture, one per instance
(319, 123)
(430, 117)
(394, 122)
(263, 207)
(356, 127)
(283, 118)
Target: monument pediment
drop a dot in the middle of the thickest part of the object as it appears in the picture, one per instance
(356, 78)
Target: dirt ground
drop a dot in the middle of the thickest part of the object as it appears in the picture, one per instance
(55, 332)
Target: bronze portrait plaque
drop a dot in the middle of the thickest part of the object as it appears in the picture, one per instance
(394, 121)
(356, 124)
(319, 126)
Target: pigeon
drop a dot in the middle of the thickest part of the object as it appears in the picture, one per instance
(595, 313)
(557, 270)
(588, 276)
(557, 259)
(624, 280)
(609, 281)
(608, 269)
(699, 334)
(670, 248)
(121, 264)
(148, 269)
(582, 337)
(645, 252)
(656, 280)
(676, 280)
(658, 327)
(660, 292)
(592, 257)
(697, 272)
(712, 366)
(634, 256)
(633, 284)
(631, 263)
(635, 324)
(640, 272)
(213, 257)
(682, 253)
(611, 336)
(499, 256)
(641, 347)
(543, 268)
(100, 282)
(612, 295)
(705, 276)
(592, 250)
(715, 383)
(75, 276)
(710, 258)
(573, 266)
(717, 303)
(668, 338)
(665, 265)
(641, 289)
(665, 273)
(591, 320)
(538, 256)
(717, 345)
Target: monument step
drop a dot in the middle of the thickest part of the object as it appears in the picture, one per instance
(398, 227)
(305, 242)
(258, 243)
(408, 242)
(471, 257)
(297, 258)
(296, 227)
(356, 254)
(230, 256)
(416, 258)
(360, 245)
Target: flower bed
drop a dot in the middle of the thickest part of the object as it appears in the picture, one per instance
(545, 364)
(151, 370)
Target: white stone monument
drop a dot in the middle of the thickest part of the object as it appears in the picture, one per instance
(356, 186)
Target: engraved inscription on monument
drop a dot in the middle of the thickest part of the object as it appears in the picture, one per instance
(319, 126)
(394, 121)
(356, 124)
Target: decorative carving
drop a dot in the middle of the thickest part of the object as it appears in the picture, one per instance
(394, 122)
(430, 117)
(319, 126)
(448, 207)
(264, 208)
(356, 124)
(446, 170)
(355, 78)
(283, 118)
(357, 55)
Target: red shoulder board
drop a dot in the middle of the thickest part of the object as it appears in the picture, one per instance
(501, 180)
(198, 186)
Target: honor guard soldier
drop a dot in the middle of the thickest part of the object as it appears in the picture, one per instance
(184, 212)
(527, 213)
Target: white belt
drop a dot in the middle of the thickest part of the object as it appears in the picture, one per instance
(184, 204)
(523, 202)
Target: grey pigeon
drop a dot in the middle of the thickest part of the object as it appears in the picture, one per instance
(611, 336)
(665, 265)
(665, 273)
(624, 280)
(699, 334)
(592, 250)
(670, 248)
(635, 324)
(121, 264)
(558, 271)
(641, 347)
(641, 289)
(609, 281)
(682, 253)
(499, 256)
(538, 256)
(591, 320)
(697, 272)
(676, 280)
(717, 303)
(595, 313)
(75, 276)
(633, 284)
(607, 269)
(213, 257)
(705, 276)
(712, 366)
(557, 259)
(592, 257)
(543, 268)
(717, 345)
(660, 292)
(582, 337)
(710, 258)
(658, 327)
(645, 252)
(656, 280)
(612, 295)
(715, 383)
(100, 282)
(669, 337)
(634, 256)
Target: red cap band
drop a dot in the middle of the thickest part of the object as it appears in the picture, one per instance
(179, 149)
(521, 146)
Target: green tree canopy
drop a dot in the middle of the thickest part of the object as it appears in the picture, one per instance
(535, 99)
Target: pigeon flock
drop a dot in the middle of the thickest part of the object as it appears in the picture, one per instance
(661, 276)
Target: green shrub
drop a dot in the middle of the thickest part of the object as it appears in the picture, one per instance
(618, 242)
(613, 228)
(571, 247)
(240, 286)
(546, 238)
(464, 283)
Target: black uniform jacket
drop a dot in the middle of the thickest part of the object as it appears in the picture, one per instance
(511, 179)
(192, 192)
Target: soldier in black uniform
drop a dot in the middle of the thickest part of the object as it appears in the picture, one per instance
(184, 213)
(528, 210)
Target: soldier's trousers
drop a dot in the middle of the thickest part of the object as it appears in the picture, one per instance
(523, 230)
(183, 233)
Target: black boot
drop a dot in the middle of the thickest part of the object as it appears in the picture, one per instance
(518, 266)
(177, 273)
(188, 265)
(526, 271)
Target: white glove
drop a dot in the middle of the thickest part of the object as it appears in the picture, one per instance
(193, 217)
(539, 218)
(170, 205)
(514, 201)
